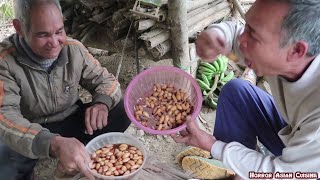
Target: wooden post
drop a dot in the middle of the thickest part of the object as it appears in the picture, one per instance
(177, 22)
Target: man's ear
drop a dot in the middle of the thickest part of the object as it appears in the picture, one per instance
(18, 27)
(298, 50)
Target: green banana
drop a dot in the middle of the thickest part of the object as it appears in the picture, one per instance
(216, 65)
(223, 63)
(221, 76)
(211, 103)
(203, 85)
(208, 65)
(205, 79)
(224, 66)
(228, 77)
(203, 68)
(205, 73)
(209, 78)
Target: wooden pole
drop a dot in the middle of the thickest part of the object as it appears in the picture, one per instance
(177, 22)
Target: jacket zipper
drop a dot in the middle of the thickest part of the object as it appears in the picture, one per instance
(50, 82)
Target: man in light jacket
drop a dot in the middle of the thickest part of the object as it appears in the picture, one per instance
(281, 41)
(41, 115)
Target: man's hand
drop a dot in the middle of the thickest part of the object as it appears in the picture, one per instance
(71, 154)
(96, 117)
(209, 45)
(194, 136)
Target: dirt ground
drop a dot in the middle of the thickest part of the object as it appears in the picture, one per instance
(161, 147)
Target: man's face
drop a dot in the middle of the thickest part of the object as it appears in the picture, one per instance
(46, 36)
(260, 41)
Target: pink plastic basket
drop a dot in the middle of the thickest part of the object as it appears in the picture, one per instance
(143, 83)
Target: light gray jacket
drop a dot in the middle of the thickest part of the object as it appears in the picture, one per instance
(30, 96)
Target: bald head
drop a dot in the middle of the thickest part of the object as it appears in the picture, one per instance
(23, 10)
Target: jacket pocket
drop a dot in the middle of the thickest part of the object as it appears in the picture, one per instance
(68, 95)
(69, 87)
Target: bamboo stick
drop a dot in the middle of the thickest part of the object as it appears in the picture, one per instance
(161, 49)
(247, 1)
(239, 8)
(191, 5)
(202, 8)
(150, 34)
(197, 11)
(207, 12)
(193, 29)
(154, 41)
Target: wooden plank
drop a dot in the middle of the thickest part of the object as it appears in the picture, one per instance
(156, 170)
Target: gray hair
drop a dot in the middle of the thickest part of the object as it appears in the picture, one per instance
(302, 23)
(23, 8)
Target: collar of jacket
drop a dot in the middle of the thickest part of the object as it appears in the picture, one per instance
(25, 59)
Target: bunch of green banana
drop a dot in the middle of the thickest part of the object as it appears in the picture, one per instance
(212, 75)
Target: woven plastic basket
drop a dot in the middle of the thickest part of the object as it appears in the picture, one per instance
(142, 84)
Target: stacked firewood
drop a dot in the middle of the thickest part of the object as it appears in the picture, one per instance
(83, 17)
(201, 13)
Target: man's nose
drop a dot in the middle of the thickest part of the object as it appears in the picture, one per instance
(54, 41)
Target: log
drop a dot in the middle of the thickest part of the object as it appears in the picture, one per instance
(97, 3)
(208, 12)
(161, 49)
(89, 32)
(97, 52)
(177, 22)
(191, 5)
(154, 41)
(85, 30)
(193, 29)
(102, 17)
(150, 34)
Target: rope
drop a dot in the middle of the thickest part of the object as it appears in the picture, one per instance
(122, 52)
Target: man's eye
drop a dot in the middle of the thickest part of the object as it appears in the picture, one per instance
(42, 35)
